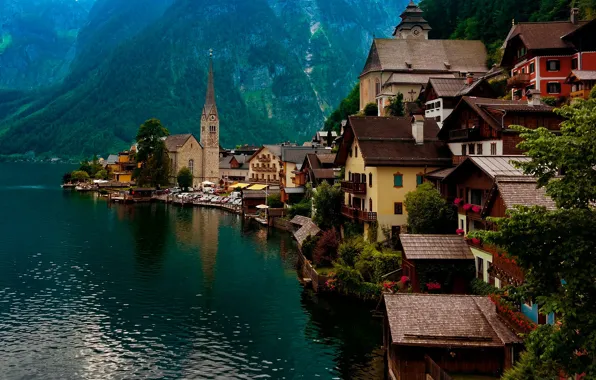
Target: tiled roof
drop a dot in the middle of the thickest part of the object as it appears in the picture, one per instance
(520, 192)
(324, 173)
(437, 320)
(447, 87)
(430, 55)
(274, 149)
(296, 154)
(388, 141)
(499, 165)
(415, 78)
(585, 74)
(543, 35)
(307, 228)
(326, 158)
(435, 247)
(440, 173)
(112, 159)
(300, 220)
(174, 142)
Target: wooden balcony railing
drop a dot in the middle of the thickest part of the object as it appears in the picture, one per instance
(349, 212)
(518, 81)
(367, 216)
(581, 94)
(353, 187)
(356, 214)
(264, 158)
(507, 270)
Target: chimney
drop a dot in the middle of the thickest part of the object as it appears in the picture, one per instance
(469, 79)
(574, 16)
(418, 128)
(534, 97)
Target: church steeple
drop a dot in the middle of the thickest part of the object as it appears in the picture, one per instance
(210, 130)
(210, 107)
(413, 24)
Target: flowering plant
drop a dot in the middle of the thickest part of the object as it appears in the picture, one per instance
(433, 286)
(457, 201)
(467, 207)
(459, 231)
(389, 286)
(404, 279)
(475, 241)
(515, 317)
(330, 284)
(476, 209)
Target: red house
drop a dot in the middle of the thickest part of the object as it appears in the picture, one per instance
(541, 55)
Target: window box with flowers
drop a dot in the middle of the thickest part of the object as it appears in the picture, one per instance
(458, 201)
(468, 207)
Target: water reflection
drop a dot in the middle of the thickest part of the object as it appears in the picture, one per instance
(150, 226)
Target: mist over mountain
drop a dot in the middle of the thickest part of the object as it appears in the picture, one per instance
(280, 67)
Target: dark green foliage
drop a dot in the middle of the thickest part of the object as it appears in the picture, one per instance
(303, 208)
(593, 93)
(274, 201)
(353, 229)
(102, 174)
(374, 264)
(481, 288)
(556, 248)
(80, 176)
(325, 251)
(396, 105)
(371, 109)
(67, 178)
(185, 178)
(490, 20)
(327, 203)
(152, 154)
(349, 106)
(428, 212)
(499, 86)
(350, 282)
(308, 246)
(445, 273)
(549, 100)
(350, 250)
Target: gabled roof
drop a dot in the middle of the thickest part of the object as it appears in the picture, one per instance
(543, 35)
(226, 162)
(437, 320)
(520, 192)
(296, 154)
(307, 228)
(582, 75)
(430, 56)
(274, 149)
(388, 141)
(446, 87)
(175, 142)
(495, 166)
(416, 78)
(112, 159)
(435, 247)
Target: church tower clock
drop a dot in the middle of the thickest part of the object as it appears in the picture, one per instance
(210, 130)
(412, 24)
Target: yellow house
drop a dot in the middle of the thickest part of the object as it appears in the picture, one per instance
(385, 158)
(265, 165)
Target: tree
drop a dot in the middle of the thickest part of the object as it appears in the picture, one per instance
(327, 202)
(428, 212)
(102, 174)
(371, 109)
(274, 201)
(95, 166)
(66, 177)
(185, 178)
(325, 251)
(85, 166)
(152, 154)
(349, 106)
(396, 105)
(80, 176)
(556, 248)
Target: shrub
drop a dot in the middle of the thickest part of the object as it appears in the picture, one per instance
(274, 201)
(350, 249)
(373, 264)
(303, 208)
(67, 177)
(102, 174)
(325, 251)
(327, 203)
(353, 229)
(482, 288)
(185, 178)
(428, 212)
(371, 109)
(308, 246)
(349, 281)
(549, 101)
(79, 176)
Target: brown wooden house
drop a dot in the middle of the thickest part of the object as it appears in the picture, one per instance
(430, 334)
(316, 169)
(482, 127)
(424, 255)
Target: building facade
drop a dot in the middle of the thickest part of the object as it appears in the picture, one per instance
(265, 165)
(210, 131)
(185, 151)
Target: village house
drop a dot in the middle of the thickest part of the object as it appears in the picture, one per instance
(484, 186)
(122, 165)
(405, 63)
(541, 55)
(265, 164)
(481, 126)
(384, 159)
(292, 158)
(185, 151)
(432, 336)
(234, 168)
(422, 254)
(316, 169)
(324, 138)
(441, 95)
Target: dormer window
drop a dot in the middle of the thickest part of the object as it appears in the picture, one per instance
(212, 128)
(447, 65)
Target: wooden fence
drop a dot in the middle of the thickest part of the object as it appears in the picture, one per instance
(434, 371)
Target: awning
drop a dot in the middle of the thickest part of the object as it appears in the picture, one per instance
(294, 190)
(240, 185)
(208, 183)
(258, 187)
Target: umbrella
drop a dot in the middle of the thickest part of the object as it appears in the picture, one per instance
(208, 183)
(261, 207)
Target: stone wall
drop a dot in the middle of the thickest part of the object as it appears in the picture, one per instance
(191, 150)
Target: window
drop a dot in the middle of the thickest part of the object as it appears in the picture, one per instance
(370, 204)
(480, 268)
(350, 176)
(464, 148)
(553, 65)
(419, 179)
(479, 149)
(398, 208)
(268, 177)
(212, 128)
(523, 70)
(363, 176)
(191, 166)
(350, 152)
(471, 148)
(369, 179)
(574, 64)
(274, 177)
(395, 231)
(356, 151)
(476, 197)
(554, 88)
(377, 87)
(493, 149)
(398, 180)
(532, 67)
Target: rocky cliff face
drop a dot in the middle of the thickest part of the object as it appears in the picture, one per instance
(281, 65)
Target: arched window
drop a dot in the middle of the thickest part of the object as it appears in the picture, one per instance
(350, 176)
(370, 179)
(191, 166)
(377, 87)
(212, 129)
(370, 205)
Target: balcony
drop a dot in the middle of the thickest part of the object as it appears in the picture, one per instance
(580, 94)
(349, 212)
(356, 214)
(464, 134)
(506, 269)
(518, 81)
(299, 179)
(263, 158)
(353, 187)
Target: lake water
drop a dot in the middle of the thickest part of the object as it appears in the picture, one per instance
(89, 291)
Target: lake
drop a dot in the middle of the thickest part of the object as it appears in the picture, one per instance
(89, 291)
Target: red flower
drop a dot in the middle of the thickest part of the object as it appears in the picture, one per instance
(476, 209)
(404, 279)
(467, 207)
(433, 286)
(475, 241)
(459, 231)
(457, 201)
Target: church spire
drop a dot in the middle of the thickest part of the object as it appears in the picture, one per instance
(210, 106)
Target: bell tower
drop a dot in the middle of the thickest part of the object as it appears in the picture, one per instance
(210, 130)
(412, 24)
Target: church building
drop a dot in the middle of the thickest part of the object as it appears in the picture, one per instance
(202, 158)
(405, 63)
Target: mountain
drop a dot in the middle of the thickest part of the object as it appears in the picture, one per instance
(280, 67)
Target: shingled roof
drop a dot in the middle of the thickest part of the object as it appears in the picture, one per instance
(437, 320)
(435, 247)
(388, 141)
(543, 35)
(175, 142)
(517, 191)
(307, 228)
(438, 56)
